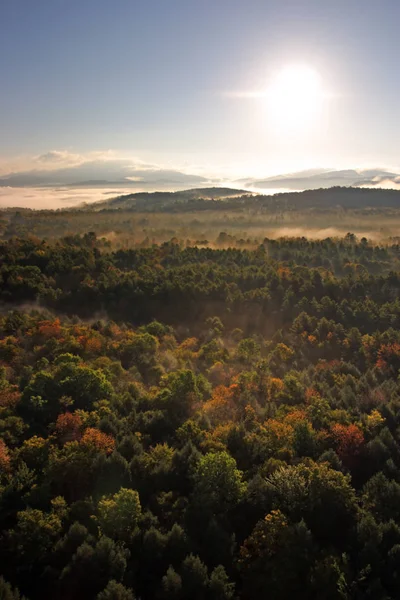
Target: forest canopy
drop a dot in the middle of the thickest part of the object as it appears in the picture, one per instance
(185, 421)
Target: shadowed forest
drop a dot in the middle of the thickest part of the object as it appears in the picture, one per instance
(200, 398)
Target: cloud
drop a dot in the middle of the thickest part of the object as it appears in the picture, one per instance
(50, 198)
(59, 157)
(60, 179)
(53, 198)
(135, 178)
(326, 178)
(59, 168)
(383, 184)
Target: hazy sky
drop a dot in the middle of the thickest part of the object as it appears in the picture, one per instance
(180, 83)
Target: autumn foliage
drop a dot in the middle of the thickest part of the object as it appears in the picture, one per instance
(200, 423)
(389, 356)
(348, 440)
(96, 439)
(68, 427)
(4, 457)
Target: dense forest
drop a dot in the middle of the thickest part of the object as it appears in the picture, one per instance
(186, 421)
(346, 197)
(198, 217)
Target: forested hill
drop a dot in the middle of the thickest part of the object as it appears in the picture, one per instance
(157, 200)
(214, 198)
(346, 197)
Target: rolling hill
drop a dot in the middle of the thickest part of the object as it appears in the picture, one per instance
(214, 198)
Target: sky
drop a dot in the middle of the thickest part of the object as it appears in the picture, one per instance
(195, 87)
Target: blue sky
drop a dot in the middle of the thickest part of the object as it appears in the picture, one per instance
(166, 81)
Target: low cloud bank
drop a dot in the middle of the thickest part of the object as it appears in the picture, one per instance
(53, 198)
(326, 178)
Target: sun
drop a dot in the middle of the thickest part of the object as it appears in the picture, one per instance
(294, 99)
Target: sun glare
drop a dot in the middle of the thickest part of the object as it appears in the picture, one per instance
(294, 99)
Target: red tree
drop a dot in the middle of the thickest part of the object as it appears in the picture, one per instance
(348, 440)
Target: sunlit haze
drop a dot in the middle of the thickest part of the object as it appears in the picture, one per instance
(222, 91)
(294, 100)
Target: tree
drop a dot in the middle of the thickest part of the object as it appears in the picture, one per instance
(220, 586)
(218, 484)
(84, 385)
(276, 559)
(92, 566)
(97, 440)
(248, 350)
(215, 325)
(293, 390)
(115, 591)
(179, 396)
(312, 493)
(28, 546)
(172, 585)
(71, 469)
(305, 440)
(68, 427)
(349, 440)
(381, 496)
(112, 473)
(7, 592)
(4, 458)
(139, 351)
(118, 514)
(34, 534)
(194, 578)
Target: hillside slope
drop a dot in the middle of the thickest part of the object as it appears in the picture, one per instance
(214, 198)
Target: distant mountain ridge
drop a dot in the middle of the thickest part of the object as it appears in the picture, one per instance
(219, 198)
(156, 199)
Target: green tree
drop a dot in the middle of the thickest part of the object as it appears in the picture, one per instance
(194, 578)
(7, 592)
(92, 566)
(115, 591)
(312, 492)
(35, 533)
(276, 559)
(248, 350)
(218, 484)
(172, 585)
(220, 586)
(381, 496)
(118, 514)
(179, 395)
(84, 385)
